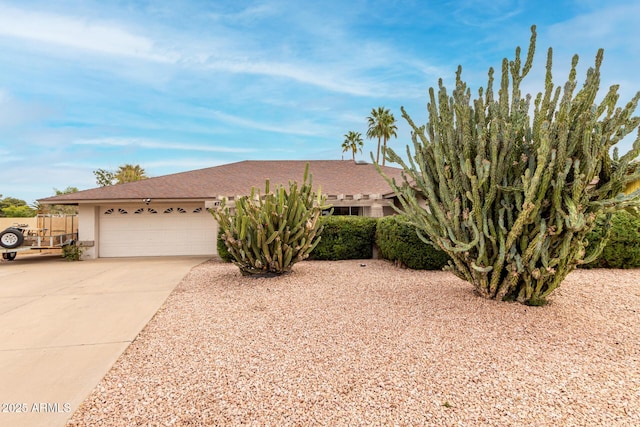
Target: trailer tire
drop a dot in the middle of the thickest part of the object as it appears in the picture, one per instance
(9, 256)
(11, 238)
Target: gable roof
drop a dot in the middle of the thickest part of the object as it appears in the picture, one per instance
(333, 177)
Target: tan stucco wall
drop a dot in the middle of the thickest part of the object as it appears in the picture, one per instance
(88, 230)
(9, 222)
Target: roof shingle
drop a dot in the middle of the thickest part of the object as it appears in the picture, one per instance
(334, 177)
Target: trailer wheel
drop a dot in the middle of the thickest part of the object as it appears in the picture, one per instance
(9, 256)
(11, 238)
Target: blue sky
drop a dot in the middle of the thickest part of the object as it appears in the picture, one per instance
(182, 85)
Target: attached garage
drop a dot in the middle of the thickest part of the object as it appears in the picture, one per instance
(156, 230)
(168, 215)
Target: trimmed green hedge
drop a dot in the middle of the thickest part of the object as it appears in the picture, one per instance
(623, 248)
(351, 237)
(345, 237)
(398, 241)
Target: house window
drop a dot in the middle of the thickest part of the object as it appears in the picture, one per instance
(108, 211)
(181, 210)
(122, 211)
(139, 211)
(168, 210)
(346, 210)
(197, 210)
(152, 211)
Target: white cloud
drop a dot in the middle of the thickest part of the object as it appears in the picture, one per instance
(613, 28)
(484, 13)
(14, 112)
(10, 158)
(162, 145)
(173, 166)
(607, 26)
(152, 168)
(317, 76)
(300, 128)
(248, 15)
(78, 33)
(226, 51)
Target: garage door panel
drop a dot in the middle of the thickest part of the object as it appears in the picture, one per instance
(161, 230)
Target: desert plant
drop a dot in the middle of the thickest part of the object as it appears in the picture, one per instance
(398, 241)
(223, 252)
(72, 251)
(623, 246)
(511, 198)
(267, 234)
(345, 237)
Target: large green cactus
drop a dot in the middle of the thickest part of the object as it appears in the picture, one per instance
(512, 197)
(267, 235)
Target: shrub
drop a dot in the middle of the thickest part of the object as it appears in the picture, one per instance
(398, 240)
(267, 235)
(345, 237)
(623, 247)
(72, 252)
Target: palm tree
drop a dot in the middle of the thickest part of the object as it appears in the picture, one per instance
(374, 130)
(388, 131)
(129, 173)
(382, 125)
(353, 142)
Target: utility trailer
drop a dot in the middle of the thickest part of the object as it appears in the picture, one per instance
(51, 232)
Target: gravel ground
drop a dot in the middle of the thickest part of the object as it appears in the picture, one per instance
(337, 344)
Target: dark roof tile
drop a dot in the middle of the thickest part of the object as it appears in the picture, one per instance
(334, 177)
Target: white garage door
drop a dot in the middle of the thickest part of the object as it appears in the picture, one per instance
(156, 230)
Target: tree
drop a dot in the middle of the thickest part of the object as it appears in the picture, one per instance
(129, 173)
(63, 209)
(512, 198)
(353, 142)
(373, 130)
(388, 130)
(68, 190)
(22, 211)
(125, 173)
(382, 126)
(10, 207)
(104, 177)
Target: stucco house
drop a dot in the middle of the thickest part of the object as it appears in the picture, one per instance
(168, 215)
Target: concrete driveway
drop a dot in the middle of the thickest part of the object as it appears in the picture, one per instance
(63, 325)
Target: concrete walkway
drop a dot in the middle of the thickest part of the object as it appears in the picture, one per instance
(64, 324)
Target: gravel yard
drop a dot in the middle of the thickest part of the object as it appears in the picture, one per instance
(337, 344)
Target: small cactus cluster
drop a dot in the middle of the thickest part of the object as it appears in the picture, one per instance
(509, 197)
(267, 234)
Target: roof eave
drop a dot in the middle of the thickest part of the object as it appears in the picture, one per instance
(123, 200)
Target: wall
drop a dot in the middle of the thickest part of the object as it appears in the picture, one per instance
(9, 222)
(88, 233)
